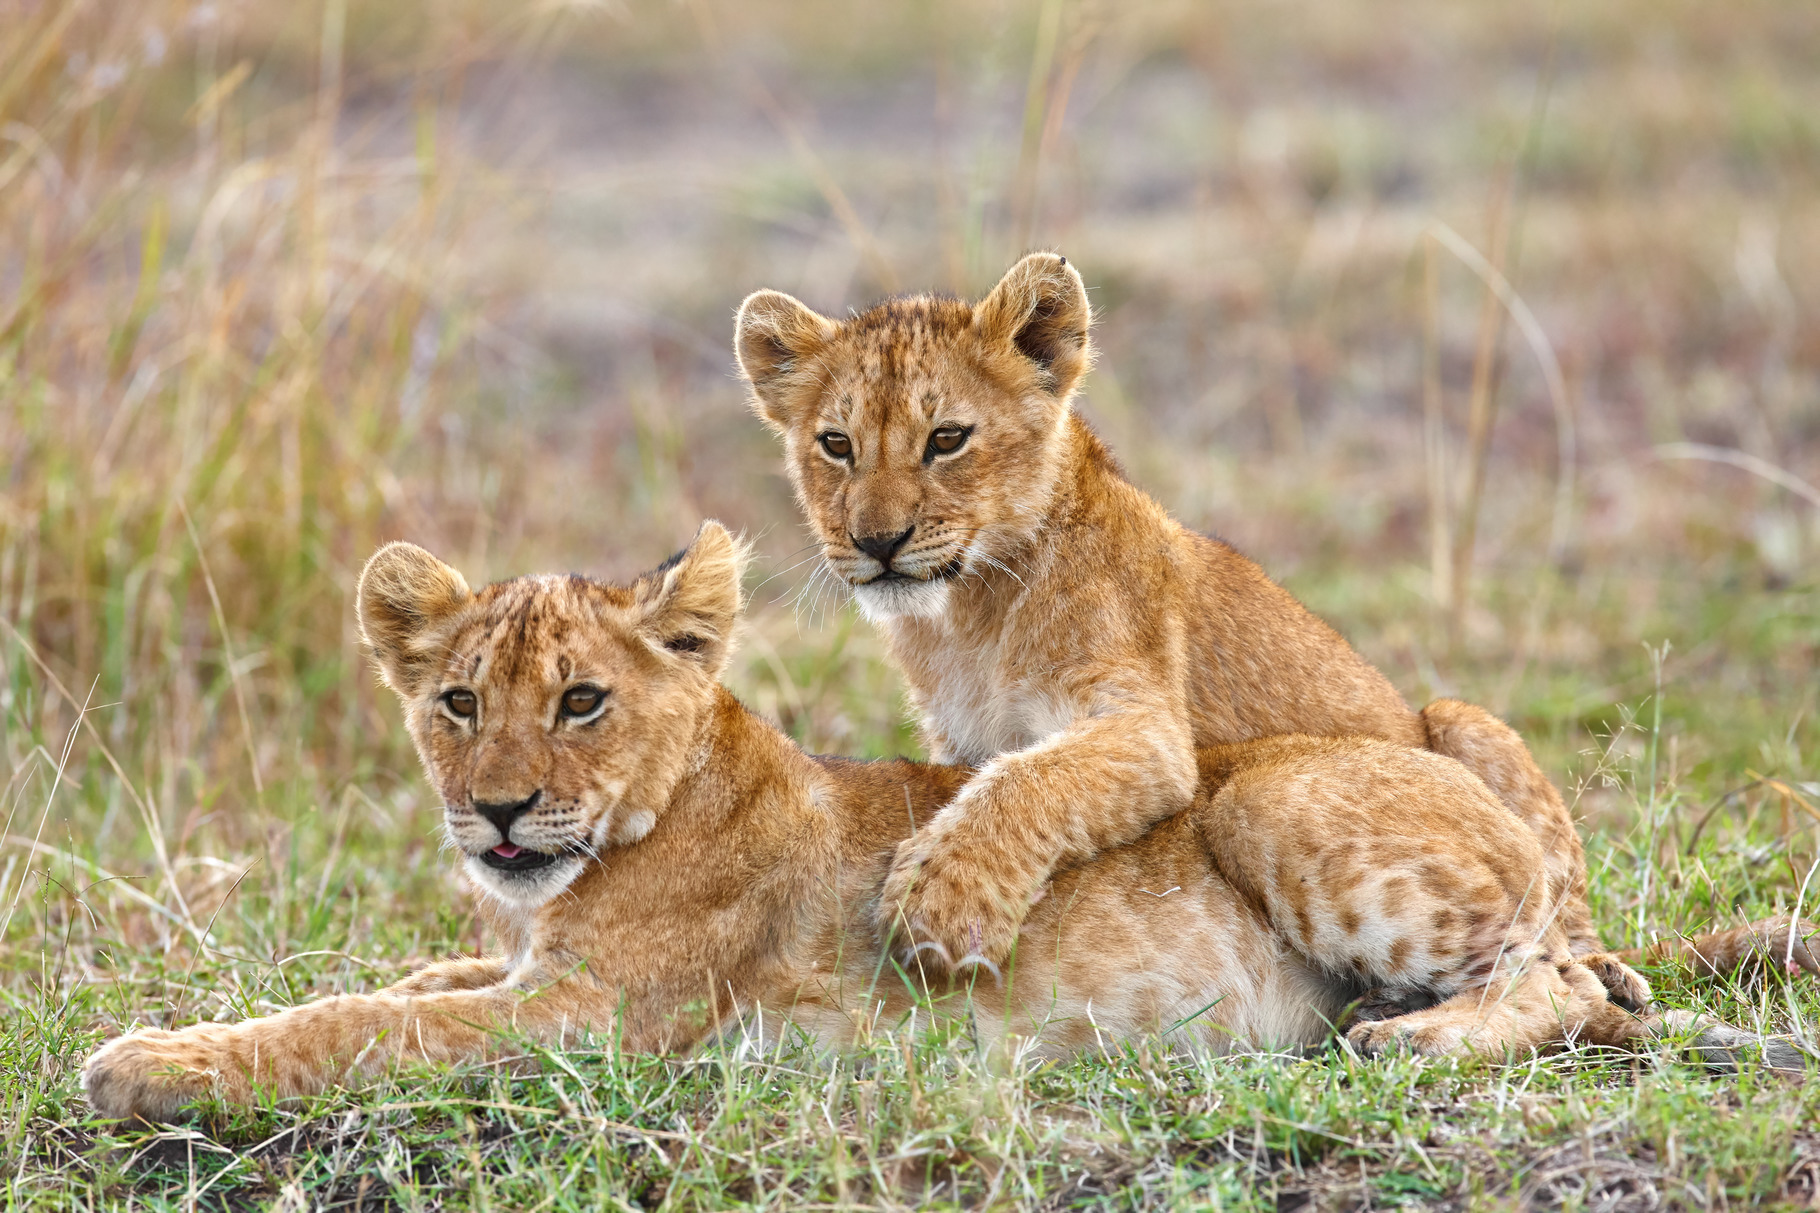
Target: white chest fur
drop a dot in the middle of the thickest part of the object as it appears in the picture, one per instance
(972, 697)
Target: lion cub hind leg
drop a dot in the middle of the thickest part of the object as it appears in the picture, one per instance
(1494, 752)
(458, 973)
(1395, 868)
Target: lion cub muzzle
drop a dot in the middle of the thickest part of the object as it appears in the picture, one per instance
(903, 572)
(883, 548)
(508, 856)
(522, 851)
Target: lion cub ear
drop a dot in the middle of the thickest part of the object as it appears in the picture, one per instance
(405, 596)
(689, 604)
(1040, 309)
(771, 338)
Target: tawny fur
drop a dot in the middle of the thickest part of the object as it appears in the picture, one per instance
(713, 878)
(1057, 628)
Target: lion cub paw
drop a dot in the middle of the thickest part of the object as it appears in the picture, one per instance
(943, 912)
(1623, 985)
(153, 1074)
(1414, 1033)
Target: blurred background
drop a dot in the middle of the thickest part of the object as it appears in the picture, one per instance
(1492, 330)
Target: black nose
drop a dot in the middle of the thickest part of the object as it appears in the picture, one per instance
(503, 815)
(882, 547)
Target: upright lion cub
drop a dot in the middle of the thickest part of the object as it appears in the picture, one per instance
(1057, 627)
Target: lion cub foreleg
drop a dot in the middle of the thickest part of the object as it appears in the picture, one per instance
(460, 973)
(960, 887)
(154, 1073)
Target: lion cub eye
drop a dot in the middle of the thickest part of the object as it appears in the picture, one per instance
(580, 701)
(836, 444)
(461, 703)
(946, 441)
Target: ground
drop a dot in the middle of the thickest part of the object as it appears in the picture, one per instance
(280, 282)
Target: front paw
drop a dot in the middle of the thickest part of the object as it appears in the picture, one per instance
(946, 910)
(153, 1074)
(1423, 1034)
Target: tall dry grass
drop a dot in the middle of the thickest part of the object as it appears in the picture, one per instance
(227, 338)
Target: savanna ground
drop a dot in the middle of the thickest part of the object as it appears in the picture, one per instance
(281, 281)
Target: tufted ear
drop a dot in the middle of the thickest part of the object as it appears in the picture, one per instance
(1040, 308)
(772, 336)
(690, 604)
(405, 595)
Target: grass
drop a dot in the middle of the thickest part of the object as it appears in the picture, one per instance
(279, 282)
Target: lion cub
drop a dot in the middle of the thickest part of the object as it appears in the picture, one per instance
(1058, 629)
(663, 867)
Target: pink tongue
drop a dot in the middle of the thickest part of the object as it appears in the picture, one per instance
(508, 851)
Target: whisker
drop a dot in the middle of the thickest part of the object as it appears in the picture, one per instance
(821, 581)
(1004, 568)
(792, 568)
(838, 592)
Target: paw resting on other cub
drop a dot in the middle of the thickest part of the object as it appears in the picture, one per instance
(1057, 628)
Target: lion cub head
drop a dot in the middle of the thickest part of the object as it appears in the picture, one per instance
(553, 714)
(922, 436)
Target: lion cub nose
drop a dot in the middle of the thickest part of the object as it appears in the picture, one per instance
(882, 547)
(503, 815)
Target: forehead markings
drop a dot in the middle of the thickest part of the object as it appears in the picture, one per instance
(887, 346)
(525, 625)
(511, 623)
(837, 409)
(888, 405)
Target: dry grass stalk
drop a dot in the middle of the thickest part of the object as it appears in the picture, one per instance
(1434, 434)
(826, 182)
(1481, 412)
(200, 463)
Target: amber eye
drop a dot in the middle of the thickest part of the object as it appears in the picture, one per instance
(461, 702)
(947, 440)
(582, 700)
(836, 444)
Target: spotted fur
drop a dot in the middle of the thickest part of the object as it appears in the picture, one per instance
(1058, 629)
(714, 879)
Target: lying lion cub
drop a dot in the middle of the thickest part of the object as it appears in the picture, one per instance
(1058, 629)
(663, 865)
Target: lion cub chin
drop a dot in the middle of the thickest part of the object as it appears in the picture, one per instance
(883, 599)
(716, 880)
(1057, 628)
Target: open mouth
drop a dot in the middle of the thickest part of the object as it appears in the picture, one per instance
(509, 858)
